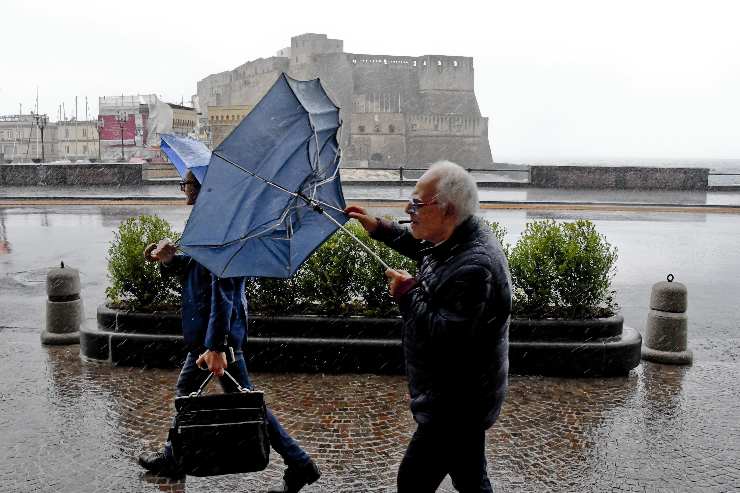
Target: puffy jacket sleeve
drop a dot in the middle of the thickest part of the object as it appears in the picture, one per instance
(175, 267)
(458, 308)
(400, 239)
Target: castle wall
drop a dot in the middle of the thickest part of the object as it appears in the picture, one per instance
(378, 139)
(253, 79)
(460, 139)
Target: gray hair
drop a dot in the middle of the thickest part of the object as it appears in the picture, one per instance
(457, 187)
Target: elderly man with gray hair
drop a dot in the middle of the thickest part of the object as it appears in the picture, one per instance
(456, 328)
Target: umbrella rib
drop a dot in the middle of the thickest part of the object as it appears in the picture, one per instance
(279, 187)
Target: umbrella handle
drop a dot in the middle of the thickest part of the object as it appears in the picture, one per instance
(367, 248)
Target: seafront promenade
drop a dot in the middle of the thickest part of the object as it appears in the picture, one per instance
(70, 425)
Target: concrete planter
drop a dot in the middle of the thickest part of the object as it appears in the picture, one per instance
(134, 339)
(596, 348)
(362, 345)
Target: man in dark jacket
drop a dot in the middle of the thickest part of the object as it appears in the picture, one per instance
(456, 328)
(214, 325)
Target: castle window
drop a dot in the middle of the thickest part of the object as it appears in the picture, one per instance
(354, 60)
(377, 128)
(391, 128)
(376, 157)
(454, 64)
(425, 63)
(439, 63)
(414, 63)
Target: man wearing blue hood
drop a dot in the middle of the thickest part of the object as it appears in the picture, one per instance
(214, 325)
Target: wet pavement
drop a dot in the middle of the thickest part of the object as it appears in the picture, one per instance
(67, 425)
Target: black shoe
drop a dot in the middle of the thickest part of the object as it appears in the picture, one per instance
(158, 463)
(296, 477)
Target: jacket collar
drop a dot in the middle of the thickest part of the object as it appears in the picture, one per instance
(462, 232)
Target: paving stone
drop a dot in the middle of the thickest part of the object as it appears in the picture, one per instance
(68, 425)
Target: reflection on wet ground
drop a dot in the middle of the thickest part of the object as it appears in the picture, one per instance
(73, 426)
(67, 425)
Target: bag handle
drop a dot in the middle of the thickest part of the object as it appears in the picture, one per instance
(208, 379)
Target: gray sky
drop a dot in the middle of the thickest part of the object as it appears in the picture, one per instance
(558, 80)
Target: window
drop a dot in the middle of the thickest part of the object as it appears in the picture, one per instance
(439, 63)
(391, 128)
(361, 128)
(376, 157)
(454, 64)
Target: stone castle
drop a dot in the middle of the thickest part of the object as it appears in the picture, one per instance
(396, 111)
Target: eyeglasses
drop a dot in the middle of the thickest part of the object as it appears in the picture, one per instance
(184, 183)
(415, 204)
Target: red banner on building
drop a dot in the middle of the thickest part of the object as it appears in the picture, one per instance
(112, 129)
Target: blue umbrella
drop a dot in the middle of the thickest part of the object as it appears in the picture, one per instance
(186, 154)
(272, 193)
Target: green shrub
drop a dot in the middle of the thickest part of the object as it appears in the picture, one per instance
(339, 278)
(135, 283)
(563, 271)
(559, 270)
(500, 233)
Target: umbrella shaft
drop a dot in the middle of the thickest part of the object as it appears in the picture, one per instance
(367, 248)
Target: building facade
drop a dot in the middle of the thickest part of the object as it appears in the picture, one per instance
(184, 119)
(78, 140)
(223, 119)
(130, 126)
(21, 139)
(396, 110)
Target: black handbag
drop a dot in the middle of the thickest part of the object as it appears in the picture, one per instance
(221, 433)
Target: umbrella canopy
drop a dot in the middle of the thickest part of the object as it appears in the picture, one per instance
(187, 155)
(272, 194)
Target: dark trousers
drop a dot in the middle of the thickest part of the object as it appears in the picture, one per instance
(438, 450)
(191, 377)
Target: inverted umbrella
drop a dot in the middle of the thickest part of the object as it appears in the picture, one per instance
(272, 193)
(186, 154)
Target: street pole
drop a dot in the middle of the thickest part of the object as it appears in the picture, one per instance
(43, 125)
(122, 118)
(41, 121)
(100, 129)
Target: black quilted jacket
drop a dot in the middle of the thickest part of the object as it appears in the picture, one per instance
(456, 324)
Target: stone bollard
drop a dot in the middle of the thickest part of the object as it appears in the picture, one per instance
(63, 308)
(665, 337)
